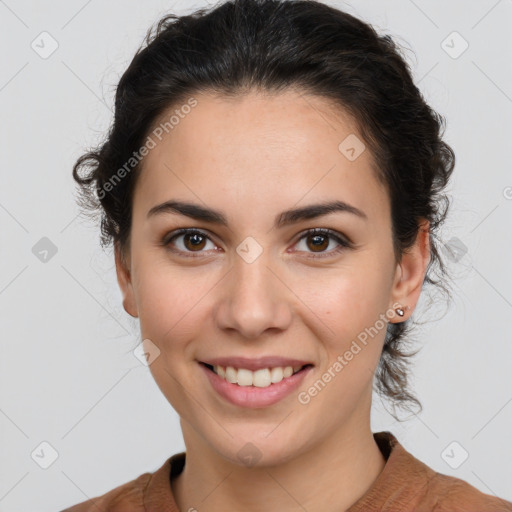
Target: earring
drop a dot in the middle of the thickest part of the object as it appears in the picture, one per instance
(399, 311)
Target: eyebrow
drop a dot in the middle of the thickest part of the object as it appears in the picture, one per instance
(287, 217)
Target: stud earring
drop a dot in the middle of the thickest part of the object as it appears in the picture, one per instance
(400, 311)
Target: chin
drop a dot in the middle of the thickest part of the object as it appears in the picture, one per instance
(258, 449)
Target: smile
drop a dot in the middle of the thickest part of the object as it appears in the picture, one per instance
(254, 389)
(262, 378)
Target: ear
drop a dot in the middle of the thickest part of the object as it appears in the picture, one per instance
(124, 279)
(410, 273)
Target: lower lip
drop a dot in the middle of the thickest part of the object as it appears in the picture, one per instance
(252, 396)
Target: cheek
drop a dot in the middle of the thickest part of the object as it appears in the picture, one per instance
(354, 310)
(349, 303)
(172, 302)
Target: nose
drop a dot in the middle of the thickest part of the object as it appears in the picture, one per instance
(254, 299)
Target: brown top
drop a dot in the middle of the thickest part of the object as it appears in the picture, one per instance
(405, 484)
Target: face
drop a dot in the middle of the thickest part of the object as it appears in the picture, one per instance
(254, 282)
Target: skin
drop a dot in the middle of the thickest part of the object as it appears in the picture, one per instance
(253, 157)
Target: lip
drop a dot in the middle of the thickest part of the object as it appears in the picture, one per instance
(254, 364)
(253, 397)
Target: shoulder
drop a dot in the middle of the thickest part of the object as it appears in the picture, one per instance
(128, 497)
(408, 484)
(447, 493)
(151, 489)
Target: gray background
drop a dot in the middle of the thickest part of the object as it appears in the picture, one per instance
(68, 376)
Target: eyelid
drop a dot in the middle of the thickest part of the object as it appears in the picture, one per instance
(343, 241)
(169, 237)
(340, 237)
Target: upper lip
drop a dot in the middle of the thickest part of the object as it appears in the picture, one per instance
(254, 364)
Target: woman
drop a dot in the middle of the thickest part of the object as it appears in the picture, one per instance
(272, 185)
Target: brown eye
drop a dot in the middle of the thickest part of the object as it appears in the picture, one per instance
(318, 240)
(194, 241)
(187, 241)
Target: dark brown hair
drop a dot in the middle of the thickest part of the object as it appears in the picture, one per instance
(276, 45)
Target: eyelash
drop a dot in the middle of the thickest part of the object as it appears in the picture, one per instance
(344, 244)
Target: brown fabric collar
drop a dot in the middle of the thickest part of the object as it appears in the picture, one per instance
(401, 472)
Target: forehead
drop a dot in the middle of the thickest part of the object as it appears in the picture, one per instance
(282, 148)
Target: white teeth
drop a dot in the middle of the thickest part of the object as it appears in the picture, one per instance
(276, 375)
(231, 374)
(244, 377)
(260, 378)
(288, 371)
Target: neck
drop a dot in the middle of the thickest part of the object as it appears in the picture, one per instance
(332, 475)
